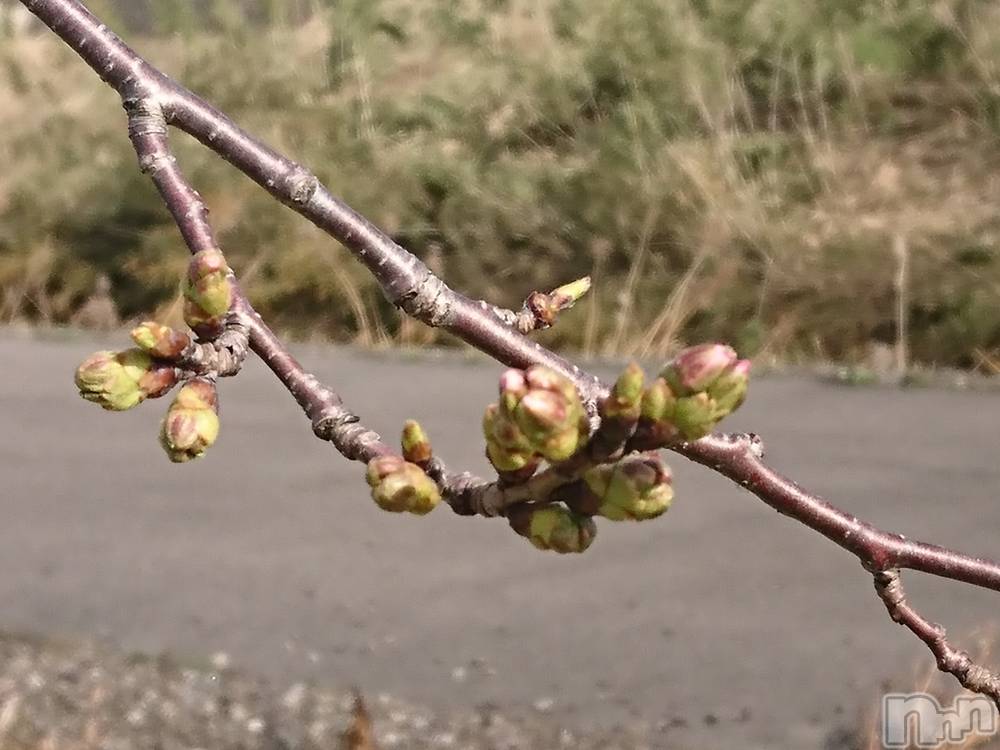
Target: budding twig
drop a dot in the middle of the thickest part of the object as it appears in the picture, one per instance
(153, 101)
(541, 309)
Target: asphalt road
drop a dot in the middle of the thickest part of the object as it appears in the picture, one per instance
(723, 621)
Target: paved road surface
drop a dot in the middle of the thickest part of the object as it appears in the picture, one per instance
(724, 620)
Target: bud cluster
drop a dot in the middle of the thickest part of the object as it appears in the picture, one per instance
(637, 487)
(550, 526)
(695, 391)
(399, 486)
(122, 380)
(540, 415)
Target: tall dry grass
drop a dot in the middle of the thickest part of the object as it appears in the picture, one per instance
(736, 170)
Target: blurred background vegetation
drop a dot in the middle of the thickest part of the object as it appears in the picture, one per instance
(793, 176)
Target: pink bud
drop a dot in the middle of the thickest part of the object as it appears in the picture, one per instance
(697, 367)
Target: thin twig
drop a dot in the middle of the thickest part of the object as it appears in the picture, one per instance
(979, 679)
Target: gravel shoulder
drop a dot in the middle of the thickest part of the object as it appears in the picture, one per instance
(89, 695)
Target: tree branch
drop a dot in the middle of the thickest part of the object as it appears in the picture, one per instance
(330, 419)
(153, 101)
(972, 676)
(406, 281)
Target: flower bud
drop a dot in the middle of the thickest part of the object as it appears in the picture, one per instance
(700, 387)
(658, 401)
(730, 390)
(637, 487)
(416, 445)
(546, 409)
(120, 380)
(539, 377)
(191, 425)
(696, 368)
(160, 340)
(626, 395)
(506, 447)
(208, 290)
(399, 486)
(513, 387)
(505, 460)
(694, 416)
(553, 527)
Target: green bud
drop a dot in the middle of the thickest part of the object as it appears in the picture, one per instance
(213, 295)
(513, 387)
(506, 447)
(626, 395)
(561, 445)
(116, 381)
(694, 416)
(540, 412)
(208, 290)
(499, 427)
(553, 527)
(701, 386)
(200, 321)
(399, 486)
(381, 467)
(191, 425)
(416, 444)
(539, 377)
(637, 487)
(658, 401)
(730, 390)
(207, 263)
(160, 340)
(507, 460)
(696, 368)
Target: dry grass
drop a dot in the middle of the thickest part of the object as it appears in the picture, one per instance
(739, 173)
(927, 679)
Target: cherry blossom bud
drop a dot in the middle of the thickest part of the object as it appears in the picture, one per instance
(700, 387)
(159, 340)
(191, 425)
(696, 368)
(626, 395)
(637, 487)
(553, 527)
(416, 445)
(117, 381)
(208, 291)
(399, 486)
(547, 410)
